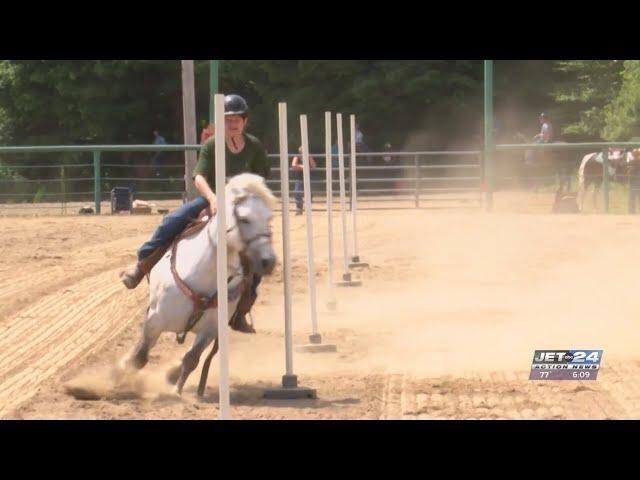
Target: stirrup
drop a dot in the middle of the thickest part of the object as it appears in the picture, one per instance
(132, 279)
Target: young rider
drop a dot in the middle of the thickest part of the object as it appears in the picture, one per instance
(244, 153)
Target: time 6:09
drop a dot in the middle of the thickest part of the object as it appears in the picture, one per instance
(581, 374)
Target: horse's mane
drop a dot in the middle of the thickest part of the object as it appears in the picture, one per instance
(253, 185)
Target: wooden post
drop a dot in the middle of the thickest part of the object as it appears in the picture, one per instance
(189, 123)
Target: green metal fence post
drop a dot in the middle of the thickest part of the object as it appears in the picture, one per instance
(417, 185)
(605, 178)
(488, 133)
(97, 182)
(63, 190)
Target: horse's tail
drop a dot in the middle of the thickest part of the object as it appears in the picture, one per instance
(581, 179)
(583, 164)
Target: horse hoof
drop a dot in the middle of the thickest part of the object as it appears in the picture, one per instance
(173, 374)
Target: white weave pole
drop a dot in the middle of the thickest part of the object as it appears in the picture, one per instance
(306, 175)
(354, 190)
(355, 260)
(343, 209)
(315, 339)
(286, 257)
(221, 220)
(346, 276)
(331, 304)
(290, 388)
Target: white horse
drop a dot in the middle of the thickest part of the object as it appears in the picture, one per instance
(249, 206)
(591, 172)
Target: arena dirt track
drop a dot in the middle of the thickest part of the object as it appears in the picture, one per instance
(444, 326)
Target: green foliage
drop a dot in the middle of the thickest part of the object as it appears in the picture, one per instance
(582, 92)
(46, 102)
(409, 103)
(37, 198)
(11, 182)
(54, 102)
(623, 113)
(6, 173)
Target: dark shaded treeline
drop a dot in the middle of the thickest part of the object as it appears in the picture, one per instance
(421, 104)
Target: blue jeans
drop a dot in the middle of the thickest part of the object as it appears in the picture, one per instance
(298, 190)
(172, 225)
(157, 161)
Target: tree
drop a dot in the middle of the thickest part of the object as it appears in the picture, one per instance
(95, 101)
(584, 89)
(411, 103)
(622, 115)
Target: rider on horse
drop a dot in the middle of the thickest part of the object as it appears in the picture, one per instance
(244, 154)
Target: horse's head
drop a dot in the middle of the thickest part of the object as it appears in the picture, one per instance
(632, 160)
(250, 204)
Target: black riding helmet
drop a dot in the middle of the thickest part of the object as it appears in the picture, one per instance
(235, 105)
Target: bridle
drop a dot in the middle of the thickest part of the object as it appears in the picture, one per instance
(236, 219)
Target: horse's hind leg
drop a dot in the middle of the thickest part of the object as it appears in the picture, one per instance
(192, 357)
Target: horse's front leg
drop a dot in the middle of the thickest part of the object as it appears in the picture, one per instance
(581, 192)
(596, 192)
(192, 357)
(150, 334)
(139, 356)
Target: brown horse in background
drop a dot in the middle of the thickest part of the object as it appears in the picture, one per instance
(540, 164)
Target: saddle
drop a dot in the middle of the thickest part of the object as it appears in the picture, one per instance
(196, 224)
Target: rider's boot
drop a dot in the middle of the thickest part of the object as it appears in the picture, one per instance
(133, 275)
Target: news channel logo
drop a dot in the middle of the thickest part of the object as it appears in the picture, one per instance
(565, 364)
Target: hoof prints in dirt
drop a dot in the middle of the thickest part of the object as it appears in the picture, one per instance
(86, 394)
(98, 386)
(501, 395)
(62, 328)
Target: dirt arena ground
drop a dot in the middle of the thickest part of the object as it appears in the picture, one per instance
(444, 327)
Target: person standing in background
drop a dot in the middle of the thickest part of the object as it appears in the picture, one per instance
(297, 166)
(159, 156)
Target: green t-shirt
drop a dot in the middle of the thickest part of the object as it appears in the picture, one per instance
(252, 159)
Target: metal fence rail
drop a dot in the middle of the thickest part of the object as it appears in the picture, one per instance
(423, 176)
(585, 148)
(420, 175)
